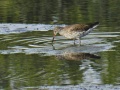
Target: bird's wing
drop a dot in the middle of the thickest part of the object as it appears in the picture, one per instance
(77, 27)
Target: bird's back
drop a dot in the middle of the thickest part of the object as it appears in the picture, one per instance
(76, 27)
(77, 30)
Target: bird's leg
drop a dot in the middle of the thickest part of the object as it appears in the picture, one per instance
(53, 47)
(53, 39)
(80, 41)
(74, 41)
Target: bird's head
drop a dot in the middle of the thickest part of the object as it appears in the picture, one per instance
(55, 32)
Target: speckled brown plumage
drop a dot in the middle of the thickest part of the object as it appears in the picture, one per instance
(75, 31)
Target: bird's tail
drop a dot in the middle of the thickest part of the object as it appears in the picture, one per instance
(93, 25)
(90, 27)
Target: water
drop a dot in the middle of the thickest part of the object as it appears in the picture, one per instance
(29, 61)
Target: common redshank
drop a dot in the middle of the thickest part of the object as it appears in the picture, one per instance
(75, 31)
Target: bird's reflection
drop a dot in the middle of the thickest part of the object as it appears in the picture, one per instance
(76, 61)
(76, 56)
(76, 53)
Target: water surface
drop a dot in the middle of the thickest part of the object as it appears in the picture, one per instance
(29, 61)
(28, 58)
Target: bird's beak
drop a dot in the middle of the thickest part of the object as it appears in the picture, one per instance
(53, 38)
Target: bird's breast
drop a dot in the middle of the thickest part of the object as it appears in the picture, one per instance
(70, 34)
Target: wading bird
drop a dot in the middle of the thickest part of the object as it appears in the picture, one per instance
(75, 31)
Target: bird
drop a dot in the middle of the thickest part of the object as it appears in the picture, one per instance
(74, 31)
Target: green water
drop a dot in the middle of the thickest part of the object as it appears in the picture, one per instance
(28, 58)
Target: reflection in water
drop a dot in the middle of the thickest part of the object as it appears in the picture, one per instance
(47, 70)
(73, 54)
(28, 60)
(77, 56)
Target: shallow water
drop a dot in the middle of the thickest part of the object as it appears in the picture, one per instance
(29, 60)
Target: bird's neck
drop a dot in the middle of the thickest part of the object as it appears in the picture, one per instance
(60, 29)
